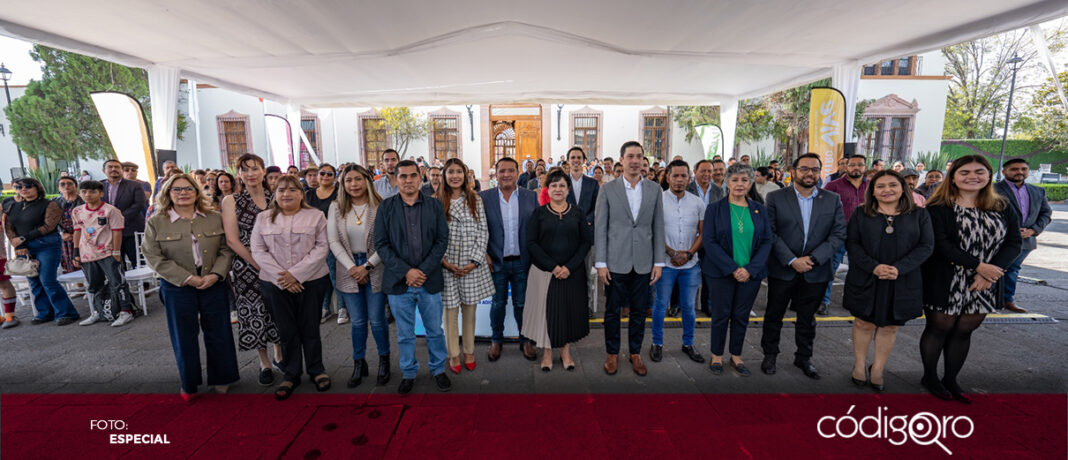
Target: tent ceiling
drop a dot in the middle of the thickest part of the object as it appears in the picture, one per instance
(323, 53)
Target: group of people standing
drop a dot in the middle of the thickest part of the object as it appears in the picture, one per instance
(439, 248)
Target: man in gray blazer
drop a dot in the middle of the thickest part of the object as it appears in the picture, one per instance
(628, 252)
(1034, 212)
(809, 226)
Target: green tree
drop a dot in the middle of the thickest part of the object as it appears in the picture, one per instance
(403, 126)
(56, 119)
(689, 117)
(1047, 120)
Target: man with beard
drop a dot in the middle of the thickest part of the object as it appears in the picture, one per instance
(387, 185)
(129, 197)
(431, 187)
(1034, 213)
(809, 228)
(850, 188)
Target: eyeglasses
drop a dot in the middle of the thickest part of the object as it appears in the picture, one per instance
(182, 189)
(326, 173)
(17, 186)
(806, 170)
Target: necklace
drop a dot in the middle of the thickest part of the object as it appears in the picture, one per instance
(359, 215)
(739, 219)
(560, 215)
(889, 224)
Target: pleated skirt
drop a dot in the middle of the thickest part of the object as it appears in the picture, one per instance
(556, 311)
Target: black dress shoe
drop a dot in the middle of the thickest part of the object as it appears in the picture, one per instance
(808, 369)
(406, 386)
(824, 310)
(875, 386)
(937, 389)
(716, 368)
(860, 383)
(383, 370)
(359, 371)
(443, 382)
(266, 377)
(65, 321)
(768, 365)
(740, 369)
(656, 353)
(37, 321)
(693, 354)
(957, 392)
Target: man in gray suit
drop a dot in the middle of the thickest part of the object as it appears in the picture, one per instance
(809, 226)
(628, 252)
(1034, 213)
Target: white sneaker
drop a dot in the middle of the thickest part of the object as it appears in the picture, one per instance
(94, 317)
(342, 316)
(124, 318)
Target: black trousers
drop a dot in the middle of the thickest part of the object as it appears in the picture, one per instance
(806, 299)
(296, 315)
(129, 251)
(107, 284)
(630, 290)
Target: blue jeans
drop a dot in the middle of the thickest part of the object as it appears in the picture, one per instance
(688, 280)
(834, 269)
(365, 307)
(514, 273)
(1012, 274)
(331, 263)
(49, 297)
(429, 306)
(190, 310)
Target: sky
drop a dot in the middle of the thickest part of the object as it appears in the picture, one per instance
(15, 55)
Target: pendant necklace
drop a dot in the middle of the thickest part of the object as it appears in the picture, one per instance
(359, 215)
(741, 222)
(889, 224)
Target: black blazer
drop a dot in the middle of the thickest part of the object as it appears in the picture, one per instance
(131, 200)
(717, 240)
(1041, 213)
(588, 201)
(491, 199)
(391, 243)
(938, 270)
(826, 233)
(915, 243)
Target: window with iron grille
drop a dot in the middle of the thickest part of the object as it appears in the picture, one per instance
(654, 136)
(374, 139)
(445, 135)
(899, 128)
(234, 137)
(585, 128)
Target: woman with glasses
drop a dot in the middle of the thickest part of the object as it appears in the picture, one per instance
(32, 227)
(320, 197)
(185, 242)
(67, 200)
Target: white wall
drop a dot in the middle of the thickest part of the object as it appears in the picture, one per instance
(930, 94)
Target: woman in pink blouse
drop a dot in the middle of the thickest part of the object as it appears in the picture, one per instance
(289, 243)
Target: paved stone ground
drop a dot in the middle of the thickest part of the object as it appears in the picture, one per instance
(1025, 357)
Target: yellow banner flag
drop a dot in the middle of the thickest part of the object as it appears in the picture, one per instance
(826, 127)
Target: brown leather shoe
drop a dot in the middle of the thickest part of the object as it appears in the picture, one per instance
(494, 352)
(528, 351)
(1011, 306)
(611, 364)
(637, 364)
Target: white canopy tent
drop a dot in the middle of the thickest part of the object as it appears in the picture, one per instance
(337, 53)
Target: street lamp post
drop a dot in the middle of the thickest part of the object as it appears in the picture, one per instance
(5, 75)
(1015, 62)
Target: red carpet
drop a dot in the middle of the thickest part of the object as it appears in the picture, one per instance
(524, 426)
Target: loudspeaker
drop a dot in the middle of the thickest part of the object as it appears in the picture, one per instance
(163, 156)
(849, 149)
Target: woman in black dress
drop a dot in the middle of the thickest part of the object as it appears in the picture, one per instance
(556, 308)
(889, 238)
(320, 198)
(976, 238)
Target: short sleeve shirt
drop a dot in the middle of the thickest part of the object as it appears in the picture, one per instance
(96, 226)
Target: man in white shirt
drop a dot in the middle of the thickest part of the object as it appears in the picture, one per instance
(683, 215)
(702, 183)
(387, 186)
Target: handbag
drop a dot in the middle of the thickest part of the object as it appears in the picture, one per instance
(23, 266)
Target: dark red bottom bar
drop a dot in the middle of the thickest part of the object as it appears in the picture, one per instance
(519, 426)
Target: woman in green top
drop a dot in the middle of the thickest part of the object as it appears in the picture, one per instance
(737, 240)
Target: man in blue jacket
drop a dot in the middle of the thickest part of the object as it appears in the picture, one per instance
(411, 236)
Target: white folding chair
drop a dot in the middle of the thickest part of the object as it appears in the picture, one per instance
(70, 282)
(141, 274)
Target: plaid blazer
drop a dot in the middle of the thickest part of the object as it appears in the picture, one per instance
(468, 239)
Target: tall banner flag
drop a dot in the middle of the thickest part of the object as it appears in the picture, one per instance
(124, 121)
(279, 140)
(826, 127)
(711, 139)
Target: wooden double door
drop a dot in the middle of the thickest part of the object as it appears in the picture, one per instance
(516, 131)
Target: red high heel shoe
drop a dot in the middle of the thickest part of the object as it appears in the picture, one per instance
(188, 397)
(469, 365)
(455, 368)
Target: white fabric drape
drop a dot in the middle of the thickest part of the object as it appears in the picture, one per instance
(846, 78)
(163, 95)
(728, 122)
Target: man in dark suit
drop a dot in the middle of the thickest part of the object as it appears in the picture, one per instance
(584, 188)
(508, 209)
(431, 186)
(1034, 213)
(809, 227)
(411, 237)
(130, 198)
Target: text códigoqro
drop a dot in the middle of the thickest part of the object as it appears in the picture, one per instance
(923, 428)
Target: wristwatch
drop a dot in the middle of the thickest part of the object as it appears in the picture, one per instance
(369, 266)
(477, 263)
